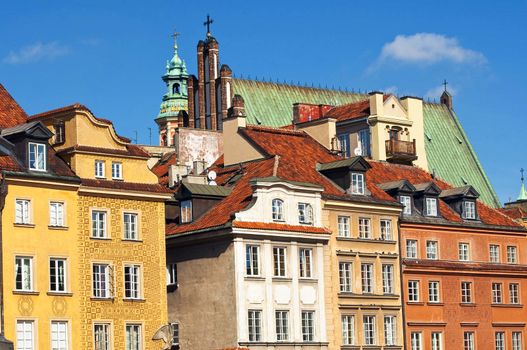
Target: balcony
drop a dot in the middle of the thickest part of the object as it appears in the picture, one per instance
(398, 151)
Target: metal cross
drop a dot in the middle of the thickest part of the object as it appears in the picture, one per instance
(175, 35)
(207, 23)
(521, 171)
(445, 83)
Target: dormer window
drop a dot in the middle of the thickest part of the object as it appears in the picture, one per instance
(406, 201)
(357, 183)
(430, 206)
(278, 209)
(469, 210)
(37, 156)
(305, 213)
(186, 211)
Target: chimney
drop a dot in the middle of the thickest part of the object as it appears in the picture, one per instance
(236, 149)
(446, 99)
(306, 112)
(376, 103)
(324, 130)
(176, 174)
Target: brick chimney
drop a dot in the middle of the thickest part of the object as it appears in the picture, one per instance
(305, 112)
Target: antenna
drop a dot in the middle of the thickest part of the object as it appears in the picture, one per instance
(150, 136)
(135, 132)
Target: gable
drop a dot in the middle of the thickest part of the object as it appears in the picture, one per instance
(393, 108)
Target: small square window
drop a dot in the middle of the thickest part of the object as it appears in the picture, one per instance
(37, 156)
(431, 207)
(99, 169)
(117, 171)
(357, 183)
(469, 210)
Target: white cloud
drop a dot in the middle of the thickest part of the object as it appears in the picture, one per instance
(391, 90)
(428, 48)
(36, 52)
(435, 93)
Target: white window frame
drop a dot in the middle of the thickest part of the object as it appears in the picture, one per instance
(517, 340)
(254, 325)
(406, 201)
(469, 210)
(411, 249)
(468, 340)
(387, 278)
(437, 340)
(514, 293)
(494, 253)
(367, 278)
(171, 274)
(131, 226)
(348, 329)
(365, 228)
(279, 261)
(432, 250)
(386, 229)
(102, 336)
(117, 170)
(305, 261)
(100, 166)
(413, 291)
(186, 211)
(369, 328)
(416, 341)
(431, 206)
(26, 275)
(39, 150)
(282, 325)
(434, 292)
(277, 207)
(305, 213)
(497, 293)
(390, 330)
(464, 251)
(102, 281)
(175, 333)
(25, 331)
(466, 292)
(308, 325)
(344, 226)
(56, 214)
(132, 287)
(99, 224)
(22, 211)
(512, 254)
(133, 336)
(252, 260)
(357, 183)
(59, 334)
(54, 264)
(499, 340)
(345, 276)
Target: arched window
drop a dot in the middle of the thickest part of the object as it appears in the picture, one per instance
(175, 88)
(278, 209)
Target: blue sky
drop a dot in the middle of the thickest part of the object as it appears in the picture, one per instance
(109, 55)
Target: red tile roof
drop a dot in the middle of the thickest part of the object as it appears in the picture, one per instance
(514, 212)
(121, 185)
(162, 166)
(131, 150)
(9, 164)
(11, 113)
(279, 227)
(350, 111)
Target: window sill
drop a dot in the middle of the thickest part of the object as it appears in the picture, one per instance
(282, 279)
(134, 300)
(60, 228)
(416, 303)
(254, 278)
(132, 240)
(117, 179)
(468, 304)
(370, 240)
(507, 305)
(100, 177)
(435, 303)
(19, 224)
(60, 294)
(307, 279)
(102, 298)
(101, 238)
(25, 292)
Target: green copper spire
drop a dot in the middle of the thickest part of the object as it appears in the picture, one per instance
(523, 192)
(176, 80)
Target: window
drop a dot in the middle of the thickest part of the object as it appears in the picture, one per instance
(431, 207)
(133, 337)
(469, 210)
(367, 278)
(406, 201)
(37, 156)
(386, 230)
(344, 226)
(175, 89)
(437, 340)
(413, 291)
(59, 133)
(468, 341)
(500, 340)
(348, 330)
(282, 325)
(171, 274)
(278, 210)
(390, 335)
(497, 295)
(57, 275)
(464, 252)
(59, 335)
(433, 291)
(305, 213)
(25, 335)
(98, 219)
(56, 214)
(130, 226)
(308, 325)
(387, 279)
(279, 256)
(175, 333)
(24, 273)
(411, 249)
(514, 293)
(369, 329)
(22, 211)
(306, 256)
(466, 292)
(101, 334)
(252, 253)
(415, 340)
(517, 341)
(357, 183)
(132, 281)
(364, 142)
(102, 280)
(431, 250)
(365, 228)
(344, 145)
(186, 211)
(117, 171)
(99, 169)
(512, 257)
(345, 276)
(254, 318)
(494, 253)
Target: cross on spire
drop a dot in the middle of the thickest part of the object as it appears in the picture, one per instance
(521, 171)
(445, 83)
(207, 23)
(175, 35)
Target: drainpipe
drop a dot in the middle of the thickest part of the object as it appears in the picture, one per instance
(4, 343)
(403, 309)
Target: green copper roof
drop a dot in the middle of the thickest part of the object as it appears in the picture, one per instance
(523, 193)
(449, 153)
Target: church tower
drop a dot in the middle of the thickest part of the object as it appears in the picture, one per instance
(173, 111)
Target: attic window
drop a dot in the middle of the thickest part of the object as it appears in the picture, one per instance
(469, 210)
(357, 183)
(406, 201)
(305, 213)
(186, 211)
(278, 209)
(37, 156)
(431, 206)
(59, 133)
